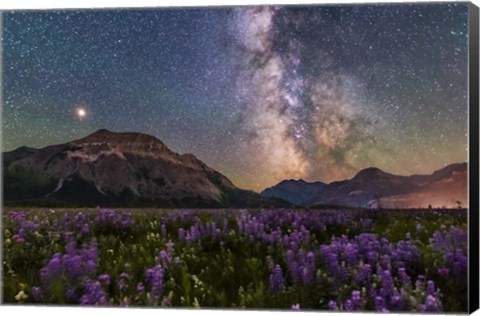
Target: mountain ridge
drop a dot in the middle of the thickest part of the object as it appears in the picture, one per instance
(373, 187)
(126, 168)
(137, 169)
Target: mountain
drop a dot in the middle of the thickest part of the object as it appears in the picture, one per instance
(446, 187)
(119, 169)
(294, 191)
(373, 187)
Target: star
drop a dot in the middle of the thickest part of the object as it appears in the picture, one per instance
(81, 113)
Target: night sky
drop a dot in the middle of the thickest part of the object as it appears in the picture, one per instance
(260, 94)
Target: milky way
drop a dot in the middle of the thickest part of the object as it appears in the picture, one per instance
(261, 94)
(301, 126)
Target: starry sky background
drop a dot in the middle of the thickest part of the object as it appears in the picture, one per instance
(260, 94)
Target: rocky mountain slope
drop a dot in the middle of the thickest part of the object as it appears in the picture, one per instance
(373, 187)
(119, 169)
(294, 191)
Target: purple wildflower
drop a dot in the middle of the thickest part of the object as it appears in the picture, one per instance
(420, 283)
(406, 281)
(309, 269)
(18, 239)
(356, 300)
(443, 271)
(295, 307)
(380, 304)
(104, 279)
(154, 278)
(163, 230)
(170, 248)
(364, 274)
(123, 282)
(93, 294)
(181, 234)
(332, 305)
(348, 305)
(387, 283)
(432, 304)
(164, 258)
(140, 288)
(276, 279)
(430, 287)
(71, 295)
(37, 294)
(396, 302)
(53, 269)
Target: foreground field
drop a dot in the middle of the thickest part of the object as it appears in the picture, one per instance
(275, 259)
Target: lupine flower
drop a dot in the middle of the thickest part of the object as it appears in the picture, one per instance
(295, 307)
(420, 283)
(309, 269)
(387, 283)
(123, 282)
(356, 300)
(85, 230)
(110, 219)
(154, 278)
(73, 265)
(351, 253)
(443, 271)
(104, 279)
(430, 287)
(71, 295)
(386, 262)
(332, 305)
(457, 262)
(140, 288)
(432, 304)
(93, 294)
(406, 281)
(396, 302)
(276, 279)
(18, 215)
(348, 305)
(380, 304)
(53, 269)
(37, 294)
(181, 233)
(18, 239)
(164, 258)
(364, 274)
(170, 248)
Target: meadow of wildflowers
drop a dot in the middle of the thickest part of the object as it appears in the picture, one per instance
(263, 259)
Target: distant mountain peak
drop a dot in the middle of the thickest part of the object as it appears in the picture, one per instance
(300, 181)
(370, 173)
(385, 189)
(292, 180)
(130, 142)
(293, 191)
(106, 134)
(103, 130)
